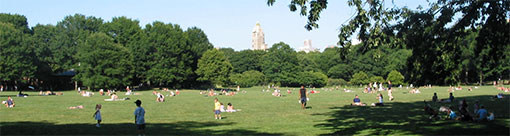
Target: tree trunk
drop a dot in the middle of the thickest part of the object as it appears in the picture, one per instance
(481, 78)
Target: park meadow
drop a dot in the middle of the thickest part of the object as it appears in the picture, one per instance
(190, 113)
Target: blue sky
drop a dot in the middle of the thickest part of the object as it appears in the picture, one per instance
(227, 23)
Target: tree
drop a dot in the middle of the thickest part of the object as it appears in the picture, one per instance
(315, 79)
(18, 21)
(214, 67)
(248, 78)
(360, 78)
(247, 60)
(72, 31)
(170, 58)
(199, 43)
(15, 59)
(377, 79)
(308, 61)
(281, 65)
(395, 77)
(341, 71)
(103, 63)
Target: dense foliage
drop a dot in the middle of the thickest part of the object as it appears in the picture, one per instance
(450, 42)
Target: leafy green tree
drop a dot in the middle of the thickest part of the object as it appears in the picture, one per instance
(19, 21)
(170, 58)
(336, 82)
(340, 71)
(44, 40)
(315, 79)
(378, 79)
(72, 31)
(122, 29)
(329, 58)
(229, 52)
(308, 61)
(281, 65)
(103, 63)
(248, 78)
(247, 60)
(360, 78)
(395, 77)
(198, 43)
(15, 59)
(214, 67)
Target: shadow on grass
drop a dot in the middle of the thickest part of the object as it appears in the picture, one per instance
(409, 118)
(178, 128)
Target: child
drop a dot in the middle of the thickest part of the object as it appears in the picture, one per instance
(230, 108)
(222, 108)
(97, 114)
(217, 106)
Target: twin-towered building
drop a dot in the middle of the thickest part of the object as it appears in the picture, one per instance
(258, 41)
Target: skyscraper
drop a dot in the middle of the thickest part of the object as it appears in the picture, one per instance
(257, 38)
(307, 47)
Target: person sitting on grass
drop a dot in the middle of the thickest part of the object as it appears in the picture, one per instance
(380, 98)
(160, 97)
(222, 107)
(464, 112)
(230, 108)
(450, 99)
(434, 98)
(276, 93)
(481, 114)
(433, 114)
(357, 102)
(499, 96)
(9, 103)
(451, 114)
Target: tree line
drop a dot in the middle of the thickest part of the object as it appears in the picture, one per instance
(450, 42)
(407, 46)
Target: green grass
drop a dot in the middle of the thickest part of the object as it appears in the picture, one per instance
(262, 114)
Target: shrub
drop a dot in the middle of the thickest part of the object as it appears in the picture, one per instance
(336, 82)
(377, 79)
(360, 78)
(395, 77)
(316, 79)
(247, 78)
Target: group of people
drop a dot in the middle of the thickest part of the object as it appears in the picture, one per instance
(479, 112)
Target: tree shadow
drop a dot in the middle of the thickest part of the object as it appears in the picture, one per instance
(177, 128)
(398, 118)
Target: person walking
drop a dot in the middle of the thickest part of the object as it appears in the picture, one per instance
(302, 96)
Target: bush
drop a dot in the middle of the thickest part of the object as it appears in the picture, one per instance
(360, 78)
(377, 79)
(247, 78)
(316, 79)
(395, 77)
(336, 82)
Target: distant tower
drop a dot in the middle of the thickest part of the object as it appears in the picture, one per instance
(257, 38)
(307, 47)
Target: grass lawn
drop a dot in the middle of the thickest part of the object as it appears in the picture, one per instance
(329, 112)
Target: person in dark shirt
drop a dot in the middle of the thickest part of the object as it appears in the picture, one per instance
(302, 96)
(434, 98)
(357, 102)
(451, 97)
